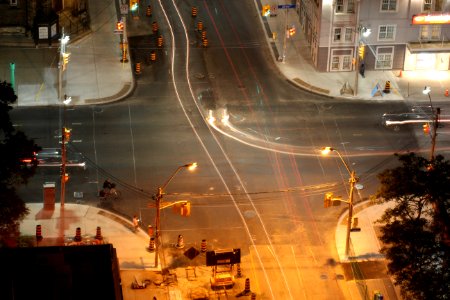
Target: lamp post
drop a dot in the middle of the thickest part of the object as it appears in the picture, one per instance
(158, 198)
(436, 114)
(352, 181)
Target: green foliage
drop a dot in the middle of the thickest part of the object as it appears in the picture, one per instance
(14, 146)
(416, 226)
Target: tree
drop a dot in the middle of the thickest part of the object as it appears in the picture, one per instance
(14, 147)
(415, 229)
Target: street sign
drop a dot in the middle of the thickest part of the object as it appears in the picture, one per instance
(284, 6)
(124, 9)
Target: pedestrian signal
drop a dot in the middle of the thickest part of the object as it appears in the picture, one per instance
(361, 50)
(66, 177)
(327, 200)
(119, 26)
(266, 10)
(426, 128)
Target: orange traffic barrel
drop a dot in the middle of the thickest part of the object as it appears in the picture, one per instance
(180, 242)
(77, 237)
(153, 55)
(194, 11)
(205, 42)
(387, 87)
(138, 68)
(149, 11)
(39, 233)
(151, 245)
(155, 27)
(203, 34)
(160, 41)
(199, 25)
(203, 246)
(98, 234)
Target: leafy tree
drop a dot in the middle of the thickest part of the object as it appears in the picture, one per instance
(14, 147)
(415, 231)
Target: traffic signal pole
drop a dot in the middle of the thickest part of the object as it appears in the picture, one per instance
(63, 167)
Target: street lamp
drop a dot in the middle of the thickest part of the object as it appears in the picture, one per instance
(157, 198)
(352, 181)
(427, 91)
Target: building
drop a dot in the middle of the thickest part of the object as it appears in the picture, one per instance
(381, 34)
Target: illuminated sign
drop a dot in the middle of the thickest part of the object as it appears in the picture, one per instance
(431, 19)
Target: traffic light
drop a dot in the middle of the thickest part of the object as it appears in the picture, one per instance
(327, 200)
(186, 209)
(134, 4)
(291, 31)
(361, 50)
(66, 132)
(65, 60)
(66, 177)
(426, 128)
(266, 10)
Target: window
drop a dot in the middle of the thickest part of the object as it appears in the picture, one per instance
(427, 5)
(339, 6)
(345, 6)
(384, 58)
(386, 32)
(348, 35)
(341, 60)
(388, 5)
(430, 32)
(343, 34)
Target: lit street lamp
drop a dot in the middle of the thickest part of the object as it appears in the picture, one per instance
(352, 181)
(157, 198)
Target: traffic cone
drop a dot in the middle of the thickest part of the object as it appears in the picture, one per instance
(180, 242)
(199, 25)
(247, 290)
(446, 92)
(387, 87)
(155, 27)
(38, 233)
(400, 74)
(203, 246)
(151, 245)
(98, 234)
(160, 41)
(239, 272)
(138, 68)
(153, 55)
(77, 237)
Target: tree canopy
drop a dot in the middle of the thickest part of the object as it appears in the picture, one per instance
(416, 229)
(14, 147)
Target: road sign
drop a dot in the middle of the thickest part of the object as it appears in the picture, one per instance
(124, 9)
(284, 6)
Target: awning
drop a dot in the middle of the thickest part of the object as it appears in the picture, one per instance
(434, 47)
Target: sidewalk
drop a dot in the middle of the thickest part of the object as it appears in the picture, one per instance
(94, 74)
(298, 67)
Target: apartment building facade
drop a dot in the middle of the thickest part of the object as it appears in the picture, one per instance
(381, 34)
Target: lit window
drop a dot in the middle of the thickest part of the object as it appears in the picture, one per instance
(347, 63)
(335, 63)
(384, 58)
(388, 5)
(386, 32)
(427, 5)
